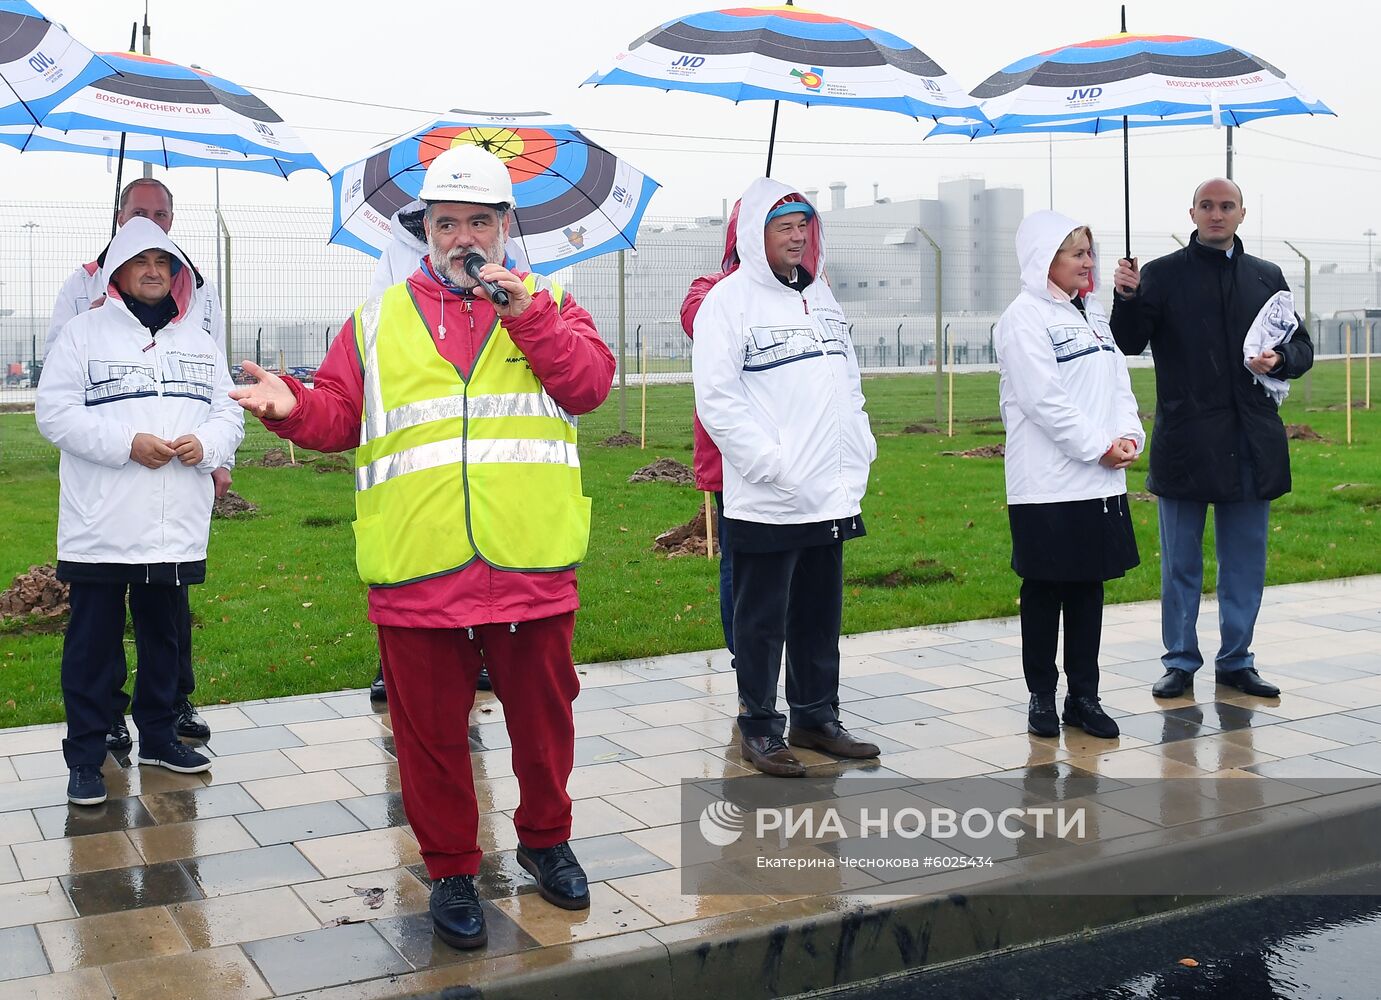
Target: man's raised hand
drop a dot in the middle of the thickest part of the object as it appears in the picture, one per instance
(269, 398)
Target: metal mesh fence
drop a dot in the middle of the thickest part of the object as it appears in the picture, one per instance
(286, 290)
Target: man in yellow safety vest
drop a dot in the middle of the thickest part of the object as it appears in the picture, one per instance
(469, 520)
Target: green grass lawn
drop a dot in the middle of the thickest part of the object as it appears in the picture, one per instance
(282, 611)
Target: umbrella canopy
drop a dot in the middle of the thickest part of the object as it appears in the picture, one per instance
(154, 149)
(1129, 81)
(1150, 79)
(792, 54)
(40, 64)
(154, 97)
(789, 54)
(575, 199)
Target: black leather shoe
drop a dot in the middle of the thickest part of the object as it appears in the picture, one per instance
(1247, 681)
(190, 725)
(484, 683)
(117, 740)
(456, 914)
(376, 689)
(1172, 683)
(1041, 719)
(770, 756)
(833, 739)
(560, 879)
(1089, 716)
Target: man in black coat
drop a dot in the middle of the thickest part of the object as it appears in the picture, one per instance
(1217, 438)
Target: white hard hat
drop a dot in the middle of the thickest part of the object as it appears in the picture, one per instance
(470, 174)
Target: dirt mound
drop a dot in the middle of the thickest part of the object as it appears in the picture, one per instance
(1142, 497)
(332, 463)
(621, 440)
(986, 451)
(664, 470)
(232, 505)
(920, 429)
(686, 539)
(918, 574)
(1303, 432)
(37, 592)
(274, 458)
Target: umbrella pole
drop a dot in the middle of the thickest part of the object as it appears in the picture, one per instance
(771, 139)
(1126, 167)
(1127, 185)
(119, 178)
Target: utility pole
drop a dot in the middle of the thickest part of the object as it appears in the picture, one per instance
(939, 327)
(1371, 263)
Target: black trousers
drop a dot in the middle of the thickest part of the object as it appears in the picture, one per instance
(792, 599)
(186, 683)
(1042, 601)
(93, 664)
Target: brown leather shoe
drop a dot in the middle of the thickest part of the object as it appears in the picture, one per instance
(770, 756)
(833, 739)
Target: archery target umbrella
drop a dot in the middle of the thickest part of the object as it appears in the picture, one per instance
(575, 199)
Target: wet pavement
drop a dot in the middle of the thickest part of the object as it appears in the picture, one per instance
(289, 868)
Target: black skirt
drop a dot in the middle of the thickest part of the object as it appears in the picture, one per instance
(1074, 540)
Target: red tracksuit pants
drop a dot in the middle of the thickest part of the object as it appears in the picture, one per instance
(430, 674)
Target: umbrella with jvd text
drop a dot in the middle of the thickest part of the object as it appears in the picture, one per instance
(789, 53)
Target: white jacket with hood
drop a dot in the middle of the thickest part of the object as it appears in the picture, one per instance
(108, 379)
(1063, 384)
(777, 384)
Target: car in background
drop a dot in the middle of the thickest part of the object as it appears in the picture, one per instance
(303, 373)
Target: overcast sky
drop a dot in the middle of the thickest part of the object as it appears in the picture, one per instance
(1306, 178)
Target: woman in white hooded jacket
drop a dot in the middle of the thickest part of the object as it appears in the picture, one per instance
(136, 396)
(1072, 428)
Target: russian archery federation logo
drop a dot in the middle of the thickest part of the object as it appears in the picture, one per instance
(721, 823)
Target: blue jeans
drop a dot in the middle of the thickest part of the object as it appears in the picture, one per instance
(726, 577)
(1240, 531)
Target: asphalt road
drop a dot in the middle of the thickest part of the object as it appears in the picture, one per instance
(1296, 947)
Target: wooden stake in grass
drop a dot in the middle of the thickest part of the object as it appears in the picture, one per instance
(283, 370)
(709, 527)
(644, 420)
(1347, 349)
(949, 364)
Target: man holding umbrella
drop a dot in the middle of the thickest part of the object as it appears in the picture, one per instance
(147, 198)
(458, 390)
(1218, 438)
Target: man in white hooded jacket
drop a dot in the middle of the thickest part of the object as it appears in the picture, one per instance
(777, 388)
(136, 396)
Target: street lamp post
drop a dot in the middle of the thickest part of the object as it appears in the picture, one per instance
(33, 316)
(1369, 234)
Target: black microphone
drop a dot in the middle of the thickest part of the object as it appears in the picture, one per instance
(472, 263)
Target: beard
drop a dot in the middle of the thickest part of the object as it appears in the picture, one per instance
(450, 266)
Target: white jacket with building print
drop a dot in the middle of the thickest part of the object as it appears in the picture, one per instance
(106, 380)
(777, 384)
(1063, 385)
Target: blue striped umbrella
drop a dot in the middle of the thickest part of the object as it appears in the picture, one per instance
(575, 199)
(1134, 81)
(40, 64)
(788, 53)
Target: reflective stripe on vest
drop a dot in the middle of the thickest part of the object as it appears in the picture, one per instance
(451, 468)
